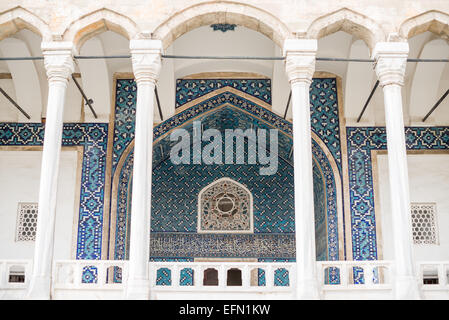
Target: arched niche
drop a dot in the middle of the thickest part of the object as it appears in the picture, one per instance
(256, 115)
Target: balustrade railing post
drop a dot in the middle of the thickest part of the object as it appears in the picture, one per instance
(321, 274)
(175, 276)
(3, 275)
(246, 276)
(368, 272)
(101, 271)
(269, 276)
(197, 276)
(344, 275)
(442, 278)
(78, 274)
(222, 270)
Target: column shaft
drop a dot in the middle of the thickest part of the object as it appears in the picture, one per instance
(390, 68)
(146, 64)
(59, 65)
(300, 66)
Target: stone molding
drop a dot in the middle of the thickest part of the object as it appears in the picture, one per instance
(434, 21)
(85, 23)
(18, 18)
(349, 21)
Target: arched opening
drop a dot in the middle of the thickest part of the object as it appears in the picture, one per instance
(229, 86)
(225, 206)
(348, 34)
(348, 21)
(434, 21)
(222, 13)
(97, 22)
(168, 202)
(24, 81)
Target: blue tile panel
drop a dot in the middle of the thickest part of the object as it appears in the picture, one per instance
(324, 116)
(93, 138)
(361, 141)
(281, 277)
(89, 275)
(186, 277)
(177, 244)
(124, 119)
(163, 277)
(190, 89)
(175, 188)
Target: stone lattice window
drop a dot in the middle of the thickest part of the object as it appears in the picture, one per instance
(26, 222)
(225, 206)
(424, 223)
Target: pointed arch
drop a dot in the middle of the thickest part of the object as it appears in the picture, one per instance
(93, 23)
(120, 200)
(225, 199)
(349, 21)
(433, 21)
(18, 18)
(222, 12)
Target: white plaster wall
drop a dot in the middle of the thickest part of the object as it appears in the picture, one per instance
(8, 112)
(94, 81)
(19, 176)
(207, 42)
(25, 79)
(429, 182)
(425, 85)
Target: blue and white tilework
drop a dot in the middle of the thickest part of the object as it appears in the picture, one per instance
(175, 188)
(190, 89)
(93, 138)
(361, 141)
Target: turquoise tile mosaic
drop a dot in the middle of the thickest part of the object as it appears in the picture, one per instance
(175, 188)
(361, 141)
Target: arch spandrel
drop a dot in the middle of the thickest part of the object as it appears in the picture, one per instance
(82, 29)
(433, 21)
(230, 12)
(18, 18)
(349, 21)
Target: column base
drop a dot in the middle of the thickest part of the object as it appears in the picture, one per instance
(39, 288)
(307, 289)
(406, 288)
(137, 290)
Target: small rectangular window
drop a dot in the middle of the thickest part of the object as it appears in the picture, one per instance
(424, 223)
(26, 221)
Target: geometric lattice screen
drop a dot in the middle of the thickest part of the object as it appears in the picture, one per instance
(424, 225)
(26, 221)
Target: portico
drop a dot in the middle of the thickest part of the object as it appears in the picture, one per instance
(316, 231)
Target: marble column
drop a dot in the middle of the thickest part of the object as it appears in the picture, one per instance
(59, 65)
(391, 59)
(146, 61)
(300, 66)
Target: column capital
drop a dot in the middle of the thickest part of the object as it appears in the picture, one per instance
(300, 57)
(146, 59)
(390, 62)
(58, 59)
